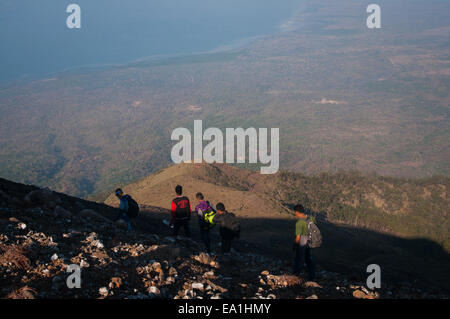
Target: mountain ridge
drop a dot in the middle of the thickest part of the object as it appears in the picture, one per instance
(373, 201)
(347, 204)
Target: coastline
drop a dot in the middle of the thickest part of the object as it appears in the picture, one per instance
(229, 47)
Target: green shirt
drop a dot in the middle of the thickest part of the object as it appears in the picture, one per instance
(301, 227)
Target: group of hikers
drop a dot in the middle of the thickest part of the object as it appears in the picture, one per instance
(208, 217)
(307, 235)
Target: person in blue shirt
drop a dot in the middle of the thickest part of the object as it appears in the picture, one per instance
(123, 208)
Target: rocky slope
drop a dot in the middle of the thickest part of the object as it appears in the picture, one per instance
(42, 232)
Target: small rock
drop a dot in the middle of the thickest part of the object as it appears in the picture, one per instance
(154, 290)
(361, 295)
(312, 284)
(116, 282)
(97, 243)
(103, 291)
(172, 271)
(197, 285)
(188, 293)
(156, 266)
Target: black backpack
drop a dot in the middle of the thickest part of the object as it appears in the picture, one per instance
(133, 207)
(233, 224)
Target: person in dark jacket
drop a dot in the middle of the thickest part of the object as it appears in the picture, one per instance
(205, 213)
(180, 212)
(229, 227)
(123, 208)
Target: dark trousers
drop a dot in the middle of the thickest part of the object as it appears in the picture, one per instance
(123, 215)
(226, 244)
(304, 254)
(204, 233)
(181, 223)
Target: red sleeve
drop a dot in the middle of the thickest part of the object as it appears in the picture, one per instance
(173, 209)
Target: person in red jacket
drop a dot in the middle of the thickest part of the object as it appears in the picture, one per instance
(181, 212)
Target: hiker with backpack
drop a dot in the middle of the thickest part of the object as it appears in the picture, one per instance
(128, 208)
(180, 212)
(229, 227)
(307, 236)
(205, 213)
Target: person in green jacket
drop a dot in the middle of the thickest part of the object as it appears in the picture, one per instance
(303, 253)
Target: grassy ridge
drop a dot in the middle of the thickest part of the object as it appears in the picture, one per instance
(409, 207)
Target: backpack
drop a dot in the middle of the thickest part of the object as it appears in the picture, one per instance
(133, 207)
(208, 218)
(314, 235)
(232, 224)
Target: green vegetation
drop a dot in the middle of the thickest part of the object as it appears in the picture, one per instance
(410, 208)
(415, 208)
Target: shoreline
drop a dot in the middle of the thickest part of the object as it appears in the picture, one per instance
(229, 47)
